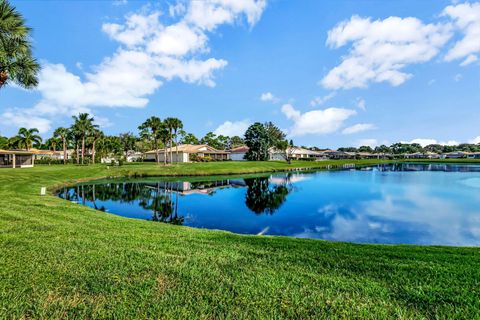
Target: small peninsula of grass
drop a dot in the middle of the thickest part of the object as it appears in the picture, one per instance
(63, 260)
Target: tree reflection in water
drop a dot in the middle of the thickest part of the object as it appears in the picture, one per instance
(261, 197)
(162, 198)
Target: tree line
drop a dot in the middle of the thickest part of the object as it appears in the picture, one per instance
(90, 144)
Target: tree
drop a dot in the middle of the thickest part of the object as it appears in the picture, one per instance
(52, 143)
(211, 139)
(287, 148)
(83, 125)
(235, 141)
(17, 64)
(258, 142)
(274, 133)
(189, 138)
(3, 142)
(62, 133)
(164, 135)
(173, 125)
(27, 137)
(94, 135)
(150, 130)
(365, 149)
(128, 142)
(262, 198)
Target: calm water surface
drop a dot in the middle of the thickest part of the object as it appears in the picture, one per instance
(402, 203)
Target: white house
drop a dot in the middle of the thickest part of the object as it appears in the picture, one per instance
(187, 153)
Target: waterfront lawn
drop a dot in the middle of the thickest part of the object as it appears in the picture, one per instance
(62, 260)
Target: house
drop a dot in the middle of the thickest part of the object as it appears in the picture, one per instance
(187, 153)
(454, 155)
(296, 153)
(422, 155)
(16, 159)
(238, 153)
(473, 155)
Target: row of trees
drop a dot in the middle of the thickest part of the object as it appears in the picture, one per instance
(403, 148)
(90, 143)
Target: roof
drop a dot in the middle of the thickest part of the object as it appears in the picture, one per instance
(25, 152)
(49, 152)
(189, 148)
(240, 149)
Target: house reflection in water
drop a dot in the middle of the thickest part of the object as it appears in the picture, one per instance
(186, 188)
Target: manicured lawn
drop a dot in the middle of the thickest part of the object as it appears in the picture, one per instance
(62, 260)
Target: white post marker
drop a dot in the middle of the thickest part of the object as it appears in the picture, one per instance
(43, 191)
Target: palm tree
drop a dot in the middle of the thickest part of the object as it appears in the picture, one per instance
(178, 125)
(16, 61)
(164, 136)
(95, 135)
(150, 130)
(27, 137)
(62, 133)
(173, 124)
(84, 124)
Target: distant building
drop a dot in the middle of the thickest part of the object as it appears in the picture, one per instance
(422, 155)
(186, 152)
(16, 159)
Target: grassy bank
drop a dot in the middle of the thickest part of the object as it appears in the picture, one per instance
(62, 260)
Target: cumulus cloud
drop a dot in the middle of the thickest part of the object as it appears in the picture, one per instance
(268, 97)
(381, 49)
(236, 128)
(425, 142)
(316, 121)
(466, 18)
(359, 127)
(321, 100)
(150, 52)
(475, 140)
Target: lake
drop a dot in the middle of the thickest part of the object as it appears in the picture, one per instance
(427, 204)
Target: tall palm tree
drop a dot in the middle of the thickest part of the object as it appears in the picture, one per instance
(150, 130)
(164, 136)
(84, 124)
(94, 135)
(27, 137)
(173, 124)
(62, 133)
(178, 125)
(17, 64)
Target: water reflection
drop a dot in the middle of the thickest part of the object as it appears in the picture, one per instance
(406, 203)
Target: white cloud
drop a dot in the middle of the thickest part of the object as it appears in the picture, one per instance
(466, 18)
(229, 128)
(425, 142)
(359, 127)
(367, 142)
(176, 10)
(149, 53)
(361, 104)
(475, 140)
(457, 77)
(268, 97)
(24, 118)
(381, 49)
(316, 121)
(208, 14)
(321, 100)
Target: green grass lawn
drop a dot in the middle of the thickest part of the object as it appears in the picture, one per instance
(63, 260)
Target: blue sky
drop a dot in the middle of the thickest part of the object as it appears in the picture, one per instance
(330, 73)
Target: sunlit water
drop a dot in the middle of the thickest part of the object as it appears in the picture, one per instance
(411, 204)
